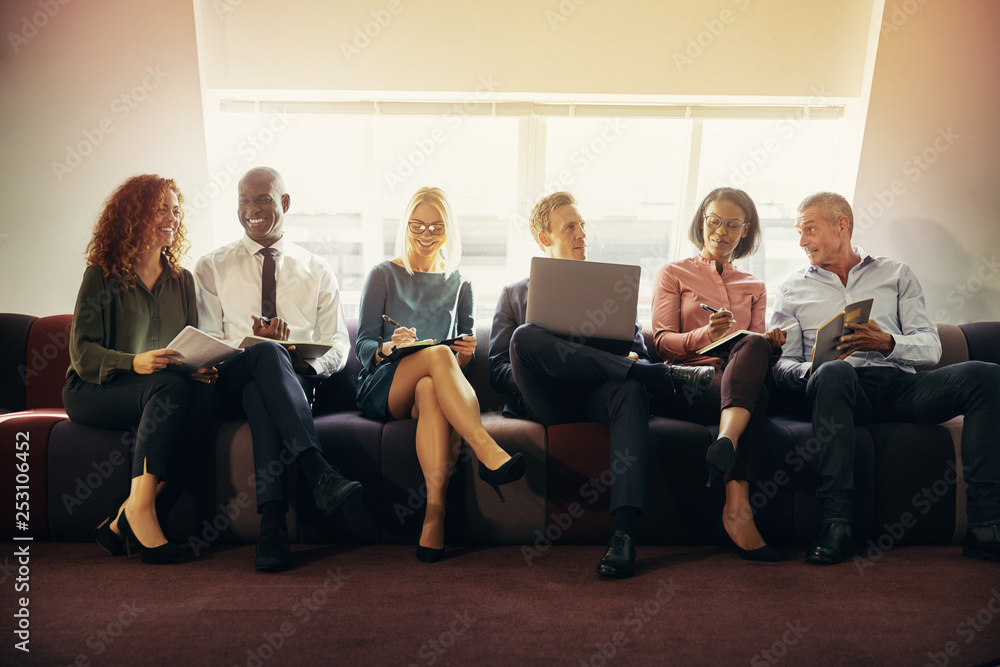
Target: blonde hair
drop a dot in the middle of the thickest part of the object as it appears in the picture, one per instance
(451, 250)
(540, 213)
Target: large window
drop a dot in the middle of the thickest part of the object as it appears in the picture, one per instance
(638, 179)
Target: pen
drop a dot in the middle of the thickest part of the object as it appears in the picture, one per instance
(709, 308)
(393, 322)
(790, 327)
(266, 321)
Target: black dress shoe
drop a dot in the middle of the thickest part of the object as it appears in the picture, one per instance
(982, 542)
(691, 382)
(764, 554)
(333, 490)
(619, 559)
(106, 537)
(274, 553)
(833, 545)
(161, 555)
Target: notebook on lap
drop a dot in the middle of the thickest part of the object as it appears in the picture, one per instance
(593, 303)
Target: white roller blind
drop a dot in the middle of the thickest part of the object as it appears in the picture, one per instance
(579, 47)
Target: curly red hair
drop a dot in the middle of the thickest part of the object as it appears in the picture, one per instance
(121, 233)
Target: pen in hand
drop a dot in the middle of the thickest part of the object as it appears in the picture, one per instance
(709, 308)
(393, 322)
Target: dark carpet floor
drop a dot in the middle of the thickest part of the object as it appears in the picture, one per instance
(378, 605)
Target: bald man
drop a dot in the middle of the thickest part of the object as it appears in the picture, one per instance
(264, 285)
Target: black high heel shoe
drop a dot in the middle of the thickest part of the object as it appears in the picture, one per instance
(161, 555)
(106, 537)
(510, 471)
(429, 554)
(764, 554)
(720, 458)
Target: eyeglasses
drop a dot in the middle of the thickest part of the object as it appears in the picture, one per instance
(419, 227)
(714, 222)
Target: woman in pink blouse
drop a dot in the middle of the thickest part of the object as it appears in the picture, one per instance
(726, 227)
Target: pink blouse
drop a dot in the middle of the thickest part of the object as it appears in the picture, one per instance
(680, 324)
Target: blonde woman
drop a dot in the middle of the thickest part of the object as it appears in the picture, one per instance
(422, 295)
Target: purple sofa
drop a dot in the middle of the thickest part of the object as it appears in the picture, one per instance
(75, 473)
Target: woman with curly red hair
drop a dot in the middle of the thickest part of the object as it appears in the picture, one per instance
(134, 299)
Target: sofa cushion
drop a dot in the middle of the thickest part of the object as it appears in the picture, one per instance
(47, 358)
(915, 484)
(354, 445)
(34, 428)
(522, 517)
(984, 341)
(784, 499)
(90, 470)
(404, 494)
(14, 330)
(339, 392)
(954, 348)
(678, 506)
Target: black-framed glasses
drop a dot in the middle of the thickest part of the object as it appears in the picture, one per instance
(419, 227)
(714, 222)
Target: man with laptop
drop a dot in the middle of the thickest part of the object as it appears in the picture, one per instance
(560, 349)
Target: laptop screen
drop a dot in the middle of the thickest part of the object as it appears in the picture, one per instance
(593, 303)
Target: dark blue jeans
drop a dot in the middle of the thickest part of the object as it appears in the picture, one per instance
(842, 396)
(261, 384)
(562, 382)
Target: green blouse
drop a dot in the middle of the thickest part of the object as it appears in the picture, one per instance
(111, 325)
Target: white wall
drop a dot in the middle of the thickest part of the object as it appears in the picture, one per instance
(736, 47)
(62, 85)
(928, 183)
(59, 81)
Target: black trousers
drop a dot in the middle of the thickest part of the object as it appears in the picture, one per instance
(842, 396)
(743, 383)
(564, 382)
(261, 385)
(173, 417)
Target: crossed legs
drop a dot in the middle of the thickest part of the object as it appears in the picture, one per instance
(429, 386)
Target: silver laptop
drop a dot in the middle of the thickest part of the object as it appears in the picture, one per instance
(593, 303)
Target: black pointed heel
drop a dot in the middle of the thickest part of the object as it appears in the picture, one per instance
(764, 554)
(106, 537)
(429, 554)
(510, 471)
(720, 458)
(161, 555)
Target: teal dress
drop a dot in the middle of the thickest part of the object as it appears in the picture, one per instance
(438, 306)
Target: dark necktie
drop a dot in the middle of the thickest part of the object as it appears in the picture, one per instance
(269, 284)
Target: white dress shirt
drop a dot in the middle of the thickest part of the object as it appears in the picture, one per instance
(228, 282)
(812, 296)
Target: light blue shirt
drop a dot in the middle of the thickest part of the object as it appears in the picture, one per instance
(812, 296)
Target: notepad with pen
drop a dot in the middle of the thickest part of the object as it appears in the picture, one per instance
(400, 352)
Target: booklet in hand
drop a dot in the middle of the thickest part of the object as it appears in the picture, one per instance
(722, 347)
(197, 349)
(400, 352)
(307, 349)
(828, 335)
